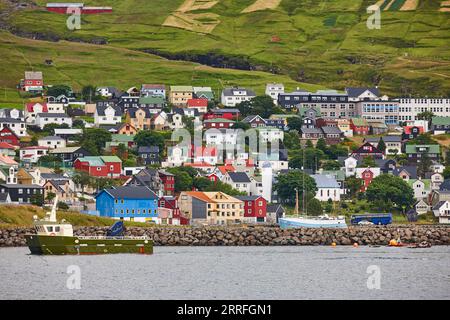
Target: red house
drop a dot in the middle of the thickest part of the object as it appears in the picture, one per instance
(213, 177)
(360, 126)
(33, 82)
(367, 150)
(169, 212)
(255, 208)
(367, 177)
(102, 166)
(168, 181)
(218, 123)
(200, 104)
(8, 136)
(230, 114)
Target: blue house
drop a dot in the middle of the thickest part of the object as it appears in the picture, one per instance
(128, 203)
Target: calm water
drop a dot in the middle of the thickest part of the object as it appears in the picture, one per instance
(231, 273)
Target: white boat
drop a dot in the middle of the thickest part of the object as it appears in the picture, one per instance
(313, 222)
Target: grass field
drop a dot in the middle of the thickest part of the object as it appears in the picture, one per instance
(81, 64)
(22, 216)
(323, 42)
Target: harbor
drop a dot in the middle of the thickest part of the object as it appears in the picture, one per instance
(314, 272)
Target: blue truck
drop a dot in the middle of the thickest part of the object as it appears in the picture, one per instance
(375, 218)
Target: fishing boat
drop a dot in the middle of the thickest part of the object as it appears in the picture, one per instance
(56, 238)
(313, 222)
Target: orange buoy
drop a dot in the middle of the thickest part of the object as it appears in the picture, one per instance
(356, 245)
(393, 243)
(333, 244)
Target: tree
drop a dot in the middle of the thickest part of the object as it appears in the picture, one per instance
(220, 186)
(78, 124)
(424, 138)
(94, 140)
(426, 115)
(50, 128)
(82, 179)
(353, 186)
(314, 207)
(294, 179)
(390, 190)
(292, 140)
(122, 152)
(183, 181)
(50, 196)
(202, 183)
(322, 145)
(423, 167)
(241, 125)
(381, 145)
(149, 138)
(89, 93)
(62, 205)
(368, 162)
(294, 123)
(37, 200)
(308, 158)
(260, 105)
(331, 165)
(446, 172)
(58, 90)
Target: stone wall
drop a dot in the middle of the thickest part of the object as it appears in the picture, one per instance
(262, 235)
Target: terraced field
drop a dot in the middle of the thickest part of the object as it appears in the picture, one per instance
(324, 42)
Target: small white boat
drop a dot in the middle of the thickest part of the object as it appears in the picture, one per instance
(313, 222)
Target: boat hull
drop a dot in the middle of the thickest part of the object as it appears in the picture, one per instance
(286, 223)
(59, 245)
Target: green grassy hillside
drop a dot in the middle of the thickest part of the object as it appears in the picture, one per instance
(324, 42)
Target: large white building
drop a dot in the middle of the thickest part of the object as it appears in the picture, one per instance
(273, 90)
(233, 96)
(409, 108)
(221, 137)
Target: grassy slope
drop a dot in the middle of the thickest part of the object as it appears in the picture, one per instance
(317, 38)
(22, 216)
(80, 64)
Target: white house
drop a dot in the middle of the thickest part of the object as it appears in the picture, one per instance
(269, 134)
(233, 96)
(19, 127)
(437, 167)
(52, 142)
(273, 90)
(442, 211)
(221, 137)
(176, 156)
(350, 165)
(360, 94)
(421, 207)
(12, 113)
(107, 115)
(239, 181)
(42, 119)
(327, 188)
(422, 188)
(32, 154)
(33, 109)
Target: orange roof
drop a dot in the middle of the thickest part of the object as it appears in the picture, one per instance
(6, 145)
(199, 195)
(198, 164)
(226, 168)
(7, 160)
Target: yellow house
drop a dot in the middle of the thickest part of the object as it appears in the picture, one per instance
(140, 118)
(211, 207)
(179, 95)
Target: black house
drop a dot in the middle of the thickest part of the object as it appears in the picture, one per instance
(149, 155)
(22, 193)
(70, 154)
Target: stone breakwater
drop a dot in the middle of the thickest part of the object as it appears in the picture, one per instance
(261, 235)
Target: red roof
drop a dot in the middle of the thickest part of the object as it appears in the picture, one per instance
(203, 152)
(226, 168)
(408, 129)
(198, 164)
(6, 145)
(30, 106)
(203, 103)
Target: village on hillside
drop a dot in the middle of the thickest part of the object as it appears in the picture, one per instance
(109, 152)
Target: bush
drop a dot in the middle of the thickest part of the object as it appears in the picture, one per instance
(62, 206)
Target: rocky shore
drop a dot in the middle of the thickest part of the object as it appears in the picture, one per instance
(262, 235)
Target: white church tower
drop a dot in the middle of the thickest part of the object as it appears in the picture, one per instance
(267, 181)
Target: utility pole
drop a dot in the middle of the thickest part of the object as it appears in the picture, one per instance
(296, 201)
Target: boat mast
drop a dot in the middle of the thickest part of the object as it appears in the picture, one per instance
(51, 215)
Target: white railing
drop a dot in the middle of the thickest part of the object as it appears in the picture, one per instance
(112, 238)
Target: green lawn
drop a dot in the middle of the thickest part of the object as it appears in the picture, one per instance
(322, 42)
